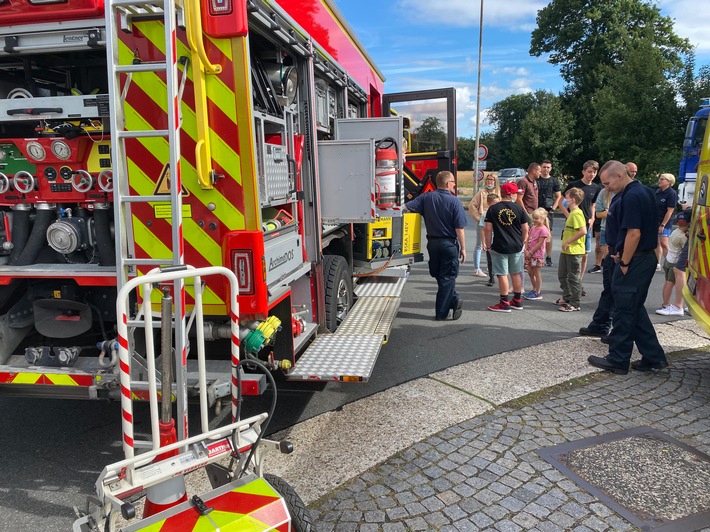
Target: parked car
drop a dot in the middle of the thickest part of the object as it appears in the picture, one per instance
(510, 174)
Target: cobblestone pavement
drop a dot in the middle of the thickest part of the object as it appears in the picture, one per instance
(483, 474)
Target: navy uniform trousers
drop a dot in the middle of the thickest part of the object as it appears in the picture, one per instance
(629, 316)
(601, 321)
(444, 267)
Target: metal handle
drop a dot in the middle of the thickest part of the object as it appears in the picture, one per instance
(201, 65)
(82, 181)
(24, 182)
(35, 111)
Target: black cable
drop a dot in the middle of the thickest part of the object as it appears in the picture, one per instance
(264, 426)
(101, 321)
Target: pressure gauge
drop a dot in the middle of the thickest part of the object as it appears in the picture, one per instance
(36, 151)
(61, 150)
(3, 155)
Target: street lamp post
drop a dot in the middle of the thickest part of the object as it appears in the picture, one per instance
(478, 100)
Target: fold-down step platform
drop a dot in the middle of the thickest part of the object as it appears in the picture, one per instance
(350, 353)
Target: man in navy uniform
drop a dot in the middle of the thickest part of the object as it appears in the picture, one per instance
(635, 224)
(445, 219)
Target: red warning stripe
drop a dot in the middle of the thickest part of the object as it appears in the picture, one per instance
(46, 379)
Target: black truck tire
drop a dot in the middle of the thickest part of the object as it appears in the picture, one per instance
(301, 520)
(338, 290)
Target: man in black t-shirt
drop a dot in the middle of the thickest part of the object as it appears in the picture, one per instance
(505, 232)
(591, 190)
(549, 196)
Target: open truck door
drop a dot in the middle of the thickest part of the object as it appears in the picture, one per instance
(430, 145)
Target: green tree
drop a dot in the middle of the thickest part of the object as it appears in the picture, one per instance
(466, 152)
(546, 132)
(589, 40)
(691, 87)
(532, 127)
(430, 136)
(507, 116)
(638, 117)
(494, 161)
(580, 36)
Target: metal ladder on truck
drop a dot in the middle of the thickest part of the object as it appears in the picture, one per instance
(119, 17)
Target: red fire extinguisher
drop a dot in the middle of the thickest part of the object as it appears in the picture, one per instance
(386, 172)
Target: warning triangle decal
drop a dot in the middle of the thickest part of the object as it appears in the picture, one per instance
(162, 187)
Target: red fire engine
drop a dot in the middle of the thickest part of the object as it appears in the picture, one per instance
(249, 134)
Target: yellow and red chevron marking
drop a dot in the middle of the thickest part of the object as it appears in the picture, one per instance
(208, 214)
(46, 379)
(254, 507)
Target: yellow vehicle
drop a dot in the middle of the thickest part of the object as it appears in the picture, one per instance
(697, 290)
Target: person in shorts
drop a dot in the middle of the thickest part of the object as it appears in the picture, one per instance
(666, 201)
(506, 231)
(674, 267)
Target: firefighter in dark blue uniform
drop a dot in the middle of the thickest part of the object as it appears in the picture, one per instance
(634, 228)
(445, 219)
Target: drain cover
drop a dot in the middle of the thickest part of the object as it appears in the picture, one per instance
(654, 481)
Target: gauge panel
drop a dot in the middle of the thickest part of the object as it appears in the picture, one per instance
(36, 151)
(61, 150)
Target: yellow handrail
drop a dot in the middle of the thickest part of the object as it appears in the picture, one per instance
(201, 67)
(194, 36)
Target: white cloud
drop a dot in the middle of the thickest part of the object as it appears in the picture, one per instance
(513, 71)
(511, 14)
(685, 14)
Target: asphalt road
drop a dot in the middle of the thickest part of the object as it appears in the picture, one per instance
(54, 450)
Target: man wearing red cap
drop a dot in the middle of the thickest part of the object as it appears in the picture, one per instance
(505, 232)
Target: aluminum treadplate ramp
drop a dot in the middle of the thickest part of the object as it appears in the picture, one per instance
(350, 353)
(338, 357)
(380, 286)
(370, 315)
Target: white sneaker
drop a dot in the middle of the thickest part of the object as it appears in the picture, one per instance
(670, 310)
(479, 273)
(675, 311)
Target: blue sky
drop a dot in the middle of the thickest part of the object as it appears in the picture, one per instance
(424, 44)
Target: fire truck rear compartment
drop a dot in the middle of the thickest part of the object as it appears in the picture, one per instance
(57, 207)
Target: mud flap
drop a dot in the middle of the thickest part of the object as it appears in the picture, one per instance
(61, 318)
